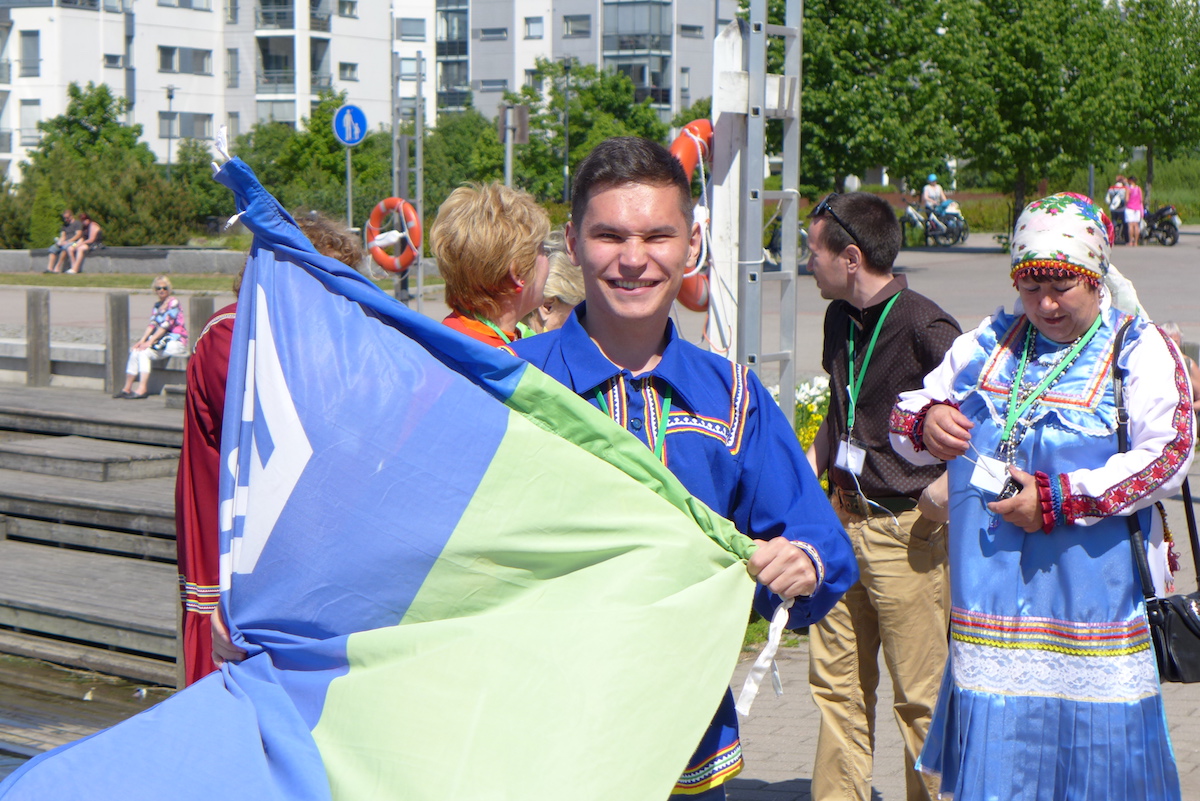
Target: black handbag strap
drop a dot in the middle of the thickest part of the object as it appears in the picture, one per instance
(1137, 540)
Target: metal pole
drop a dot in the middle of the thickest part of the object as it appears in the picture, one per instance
(508, 145)
(349, 194)
(170, 126)
(567, 132)
(420, 189)
(395, 123)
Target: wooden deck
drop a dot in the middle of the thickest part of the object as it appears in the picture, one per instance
(87, 531)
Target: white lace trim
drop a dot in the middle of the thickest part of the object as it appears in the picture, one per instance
(1034, 672)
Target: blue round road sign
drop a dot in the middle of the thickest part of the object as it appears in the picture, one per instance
(349, 125)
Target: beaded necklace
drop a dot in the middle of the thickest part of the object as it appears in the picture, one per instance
(1026, 393)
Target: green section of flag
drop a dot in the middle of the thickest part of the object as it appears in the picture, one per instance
(571, 642)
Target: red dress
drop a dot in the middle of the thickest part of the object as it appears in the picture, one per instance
(197, 486)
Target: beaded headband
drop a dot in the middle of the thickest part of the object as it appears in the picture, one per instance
(1063, 233)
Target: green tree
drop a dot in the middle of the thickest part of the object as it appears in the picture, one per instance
(464, 147)
(602, 104)
(1162, 107)
(700, 110)
(193, 174)
(1033, 90)
(873, 94)
(90, 160)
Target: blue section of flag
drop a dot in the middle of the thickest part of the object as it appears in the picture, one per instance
(362, 516)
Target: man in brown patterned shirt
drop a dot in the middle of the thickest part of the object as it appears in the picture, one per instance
(881, 338)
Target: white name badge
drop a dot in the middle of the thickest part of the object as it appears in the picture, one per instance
(989, 474)
(850, 457)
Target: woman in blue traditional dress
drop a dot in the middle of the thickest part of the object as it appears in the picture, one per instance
(1051, 692)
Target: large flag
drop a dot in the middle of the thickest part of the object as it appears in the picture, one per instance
(456, 580)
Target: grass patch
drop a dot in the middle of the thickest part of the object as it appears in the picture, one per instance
(756, 634)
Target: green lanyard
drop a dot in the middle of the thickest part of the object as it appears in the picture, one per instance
(1015, 410)
(522, 330)
(660, 440)
(854, 386)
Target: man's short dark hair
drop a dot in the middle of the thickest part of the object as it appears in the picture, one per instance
(628, 160)
(875, 225)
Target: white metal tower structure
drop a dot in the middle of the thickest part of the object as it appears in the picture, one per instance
(745, 96)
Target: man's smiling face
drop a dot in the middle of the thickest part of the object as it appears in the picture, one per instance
(634, 245)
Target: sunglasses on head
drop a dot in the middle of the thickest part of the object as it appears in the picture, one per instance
(824, 207)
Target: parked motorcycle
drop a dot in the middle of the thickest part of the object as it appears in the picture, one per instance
(1161, 225)
(944, 225)
(773, 252)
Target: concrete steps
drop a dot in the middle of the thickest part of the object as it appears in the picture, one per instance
(89, 459)
(87, 531)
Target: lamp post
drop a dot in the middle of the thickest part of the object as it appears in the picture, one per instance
(567, 132)
(170, 125)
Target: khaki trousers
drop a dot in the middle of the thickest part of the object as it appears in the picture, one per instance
(902, 603)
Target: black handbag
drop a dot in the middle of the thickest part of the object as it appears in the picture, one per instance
(1174, 621)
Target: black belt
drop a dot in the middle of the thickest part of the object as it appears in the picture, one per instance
(854, 502)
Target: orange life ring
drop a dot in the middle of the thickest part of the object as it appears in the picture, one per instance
(406, 253)
(693, 294)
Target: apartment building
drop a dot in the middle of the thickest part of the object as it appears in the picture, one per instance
(190, 66)
(665, 46)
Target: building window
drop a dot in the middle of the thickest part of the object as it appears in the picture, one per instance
(410, 29)
(31, 115)
(533, 79)
(692, 31)
(408, 69)
(277, 111)
(493, 34)
(112, 5)
(31, 56)
(347, 71)
(232, 74)
(577, 25)
(198, 5)
(233, 125)
(348, 8)
(494, 85)
(685, 80)
(184, 125)
(231, 12)
(535, 27)
(114, 61)
(185, 60)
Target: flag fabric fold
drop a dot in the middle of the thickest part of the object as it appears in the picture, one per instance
(455, 578)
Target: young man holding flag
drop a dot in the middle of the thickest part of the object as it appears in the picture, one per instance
(710, 421)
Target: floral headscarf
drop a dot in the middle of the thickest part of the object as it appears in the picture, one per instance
(1063, 232)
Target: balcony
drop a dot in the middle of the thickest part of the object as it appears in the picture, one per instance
(5, 71)
(452, 99)
(320, 21)
(277, 82)
(92, 5)
(321, 81)
(279, 17)
(637, 42)
(455, 47)
(658, 97)
(5, 140)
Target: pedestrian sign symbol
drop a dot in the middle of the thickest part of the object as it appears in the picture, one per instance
(349, 125)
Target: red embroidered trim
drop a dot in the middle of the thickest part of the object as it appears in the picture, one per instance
(1047, 501)
(1155, 474)
(912, 424)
